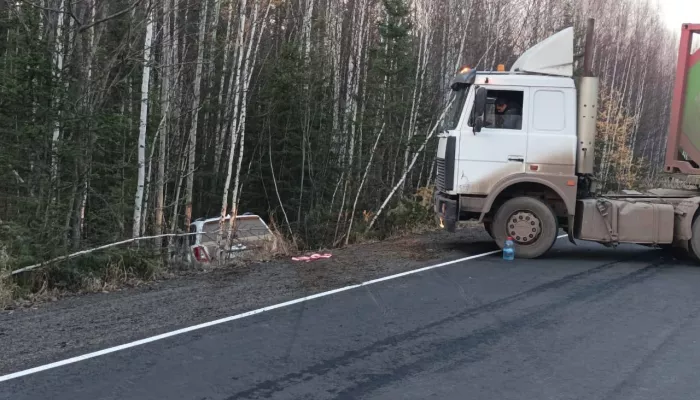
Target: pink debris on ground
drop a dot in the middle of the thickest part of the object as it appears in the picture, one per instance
(312, 257)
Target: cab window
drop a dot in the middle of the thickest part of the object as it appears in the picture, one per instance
(504, 110)
(455, 112)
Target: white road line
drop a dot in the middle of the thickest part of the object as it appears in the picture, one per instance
(99, 353)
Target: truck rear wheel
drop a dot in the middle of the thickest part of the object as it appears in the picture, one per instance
(694, 242)
(530, 222)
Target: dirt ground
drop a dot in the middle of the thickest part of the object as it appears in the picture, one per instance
(38, 334)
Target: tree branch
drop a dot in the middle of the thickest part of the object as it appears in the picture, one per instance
(82, 28)
(69, 11)
(410, 166)
(115, 15)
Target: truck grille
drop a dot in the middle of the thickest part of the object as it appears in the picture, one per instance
(440, 180)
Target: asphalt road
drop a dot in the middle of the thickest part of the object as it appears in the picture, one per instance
(583, 323)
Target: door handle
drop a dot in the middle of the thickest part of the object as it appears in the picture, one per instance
(516, 159)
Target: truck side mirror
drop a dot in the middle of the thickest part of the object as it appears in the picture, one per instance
(478, 124)
(479, 108)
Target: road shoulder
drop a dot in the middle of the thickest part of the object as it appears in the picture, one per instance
(81, 324)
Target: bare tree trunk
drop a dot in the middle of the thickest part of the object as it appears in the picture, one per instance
(178, 190)
(428, 183)
(213, 29)
(57, 75)
(147, 189)
(250, 59)
(413, 162)
(606, 148)
(306, 52)
(334, 40)
(355, 66)
(88, 105)
(223, 114)
(362, 183)
(421, 68)
(306, 29)
(166, 75)
(277, 192)
(143, 123)
(195, 111)
(234, 88)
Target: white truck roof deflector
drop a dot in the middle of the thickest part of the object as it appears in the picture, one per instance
(552, 56)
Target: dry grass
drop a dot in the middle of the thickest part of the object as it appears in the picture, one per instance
(6, 290)
(114, 276)
(96, 273)
(279, 246)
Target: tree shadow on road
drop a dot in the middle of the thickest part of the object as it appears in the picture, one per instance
(470, 248)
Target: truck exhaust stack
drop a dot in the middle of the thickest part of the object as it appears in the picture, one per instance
(587, 108)
(587, 116)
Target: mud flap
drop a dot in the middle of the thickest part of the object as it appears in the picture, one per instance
(570, 232)
(447, 211)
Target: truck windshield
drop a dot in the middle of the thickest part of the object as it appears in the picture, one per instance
(455, 111)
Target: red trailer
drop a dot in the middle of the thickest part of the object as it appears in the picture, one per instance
(684, 129)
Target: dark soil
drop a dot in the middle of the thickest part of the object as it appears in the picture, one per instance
(48, 332)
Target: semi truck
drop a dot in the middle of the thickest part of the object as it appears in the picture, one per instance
(516, 152)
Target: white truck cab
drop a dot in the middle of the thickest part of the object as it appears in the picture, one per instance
(516, 134)
(539, 143)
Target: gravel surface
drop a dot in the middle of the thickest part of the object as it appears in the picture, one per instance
(77, 325)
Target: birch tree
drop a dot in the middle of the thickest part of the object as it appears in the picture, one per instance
(233, 91)
(143, 123)
(251, 56)
(192, 143)
(57, 75)
(166, 76)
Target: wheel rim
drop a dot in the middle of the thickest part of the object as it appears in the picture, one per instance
(524, 227)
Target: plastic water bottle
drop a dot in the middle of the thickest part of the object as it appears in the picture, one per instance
(509, 250)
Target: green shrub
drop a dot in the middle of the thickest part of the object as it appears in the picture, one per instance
(410, 214)
(99, 270)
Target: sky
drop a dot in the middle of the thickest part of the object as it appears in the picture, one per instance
(677, 12)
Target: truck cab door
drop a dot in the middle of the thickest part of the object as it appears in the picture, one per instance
(552, 140)
(499, 149)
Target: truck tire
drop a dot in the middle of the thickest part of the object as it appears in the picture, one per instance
(530, 222)
(694, 242)
(678, 253)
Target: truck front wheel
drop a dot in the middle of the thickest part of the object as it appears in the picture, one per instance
(530, 222)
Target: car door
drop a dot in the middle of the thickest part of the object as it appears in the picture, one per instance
(488, 156)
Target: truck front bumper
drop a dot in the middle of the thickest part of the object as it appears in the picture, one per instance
(446, 211)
